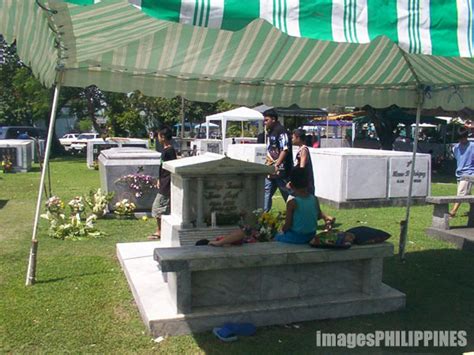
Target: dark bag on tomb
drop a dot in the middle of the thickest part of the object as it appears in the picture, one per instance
(367, 235)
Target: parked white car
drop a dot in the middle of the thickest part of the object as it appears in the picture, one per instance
(67, 140)
(79, 145)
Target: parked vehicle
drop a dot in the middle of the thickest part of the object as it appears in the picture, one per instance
(67, 140)
(79, 145)
(16, 132)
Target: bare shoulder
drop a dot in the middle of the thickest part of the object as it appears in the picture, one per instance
(291, 203)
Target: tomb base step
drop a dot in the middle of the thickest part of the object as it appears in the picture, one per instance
(281, 312)
(373, 203)
(173, 234)
(157, 310)
(137, 215)
(461, 237)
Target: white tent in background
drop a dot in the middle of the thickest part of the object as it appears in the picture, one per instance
(241, 114)
(206, 124)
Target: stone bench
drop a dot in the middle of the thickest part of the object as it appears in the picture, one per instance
(273, 283)
(440, 218)
(462, 237)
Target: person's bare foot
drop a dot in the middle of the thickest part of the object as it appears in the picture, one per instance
(154, 236)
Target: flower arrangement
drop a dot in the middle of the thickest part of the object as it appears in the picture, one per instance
(268, 224)
(139, 183)
(73, 227)
(77, 205)
(124, 208)
(55, 205)
(7, 164)
(98, 201)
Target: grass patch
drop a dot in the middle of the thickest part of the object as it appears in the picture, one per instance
(82, 303)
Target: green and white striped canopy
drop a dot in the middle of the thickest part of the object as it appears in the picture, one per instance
(118, 47)
(437, 27)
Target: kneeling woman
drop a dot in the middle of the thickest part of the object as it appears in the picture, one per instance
(302, 214)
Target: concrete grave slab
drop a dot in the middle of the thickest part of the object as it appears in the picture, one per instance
(115, 163)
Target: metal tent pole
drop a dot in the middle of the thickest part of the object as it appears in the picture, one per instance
(31, 273)
(404, 223)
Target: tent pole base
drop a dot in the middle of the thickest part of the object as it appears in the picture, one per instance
(31, 275)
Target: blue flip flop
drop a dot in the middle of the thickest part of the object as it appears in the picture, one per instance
(243, 329)
(224, 334)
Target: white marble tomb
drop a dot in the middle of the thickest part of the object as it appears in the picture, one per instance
(352, 174)
(115, 163)
(254, 153)
(95, 146)
(20, 151)
(208, 183)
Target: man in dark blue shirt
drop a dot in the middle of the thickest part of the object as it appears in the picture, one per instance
(279, 155)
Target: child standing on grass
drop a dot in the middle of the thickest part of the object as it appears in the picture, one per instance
(161, 205)
(302, 214)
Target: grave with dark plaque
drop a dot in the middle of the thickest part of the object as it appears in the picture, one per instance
(8, 153)
(19, 152)
(210, 188)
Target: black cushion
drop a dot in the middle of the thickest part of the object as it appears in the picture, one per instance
(368, 235)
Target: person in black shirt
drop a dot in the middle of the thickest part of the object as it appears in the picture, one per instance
(303, 157)
(161, 205)
(303, 161)
(279, 155)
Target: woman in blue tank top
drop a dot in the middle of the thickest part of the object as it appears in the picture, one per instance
(302, 211)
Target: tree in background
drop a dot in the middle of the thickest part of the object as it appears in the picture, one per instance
(386, 127)
(24, 101)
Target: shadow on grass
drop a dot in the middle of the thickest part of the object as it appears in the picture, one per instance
(68, 158)
(439, 288)
(3, 203)
(445, 174)
(71, 277)
(444, 179)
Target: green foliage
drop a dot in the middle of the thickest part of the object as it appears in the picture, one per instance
(130, 122)
(84, 125)
(23, 100)
(234, 129)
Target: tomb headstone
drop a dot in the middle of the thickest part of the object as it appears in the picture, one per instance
(206, 184)
(95, 146)
(19, 152)
(254, 153)
(201, 146)
(115, 163)
(227, 142)
(399, 175)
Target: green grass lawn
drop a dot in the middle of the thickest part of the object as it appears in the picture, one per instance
(82, 303)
